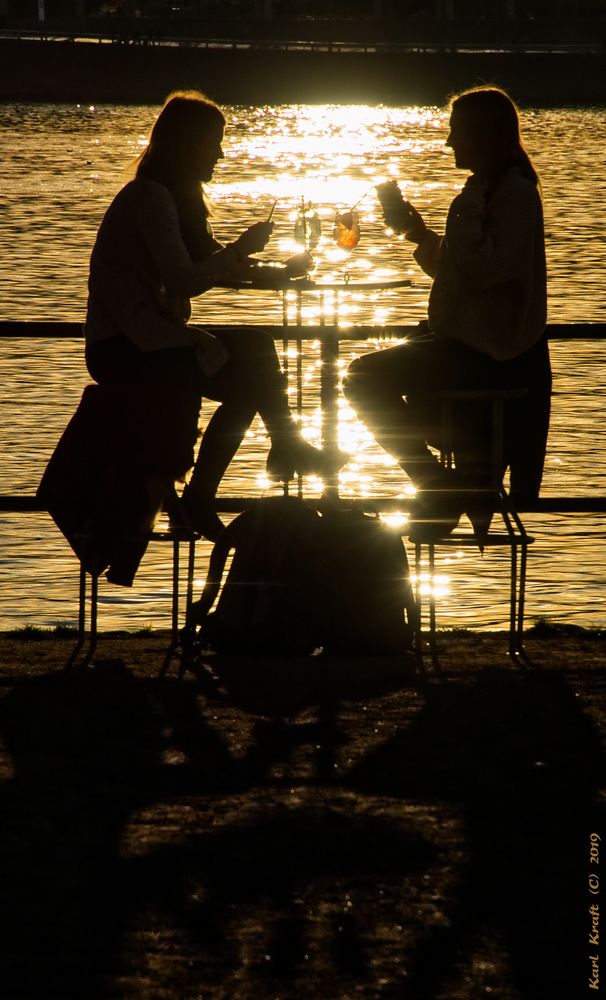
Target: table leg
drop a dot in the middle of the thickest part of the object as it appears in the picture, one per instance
(329, 395)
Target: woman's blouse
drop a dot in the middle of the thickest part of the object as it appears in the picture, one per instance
(142, 275)
(490, 281)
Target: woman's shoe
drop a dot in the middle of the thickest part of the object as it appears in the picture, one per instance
(480, 511)
(436, 510)
(431, 521)
(200, 514)
(297, 456)
(208, 523)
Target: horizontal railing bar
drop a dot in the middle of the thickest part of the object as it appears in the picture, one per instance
(22, 504)
(69, 330)
(144, 31)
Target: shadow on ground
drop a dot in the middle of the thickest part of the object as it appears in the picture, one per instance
(308, 830)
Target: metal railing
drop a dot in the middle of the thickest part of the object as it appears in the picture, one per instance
(17, 503)
(145, 35)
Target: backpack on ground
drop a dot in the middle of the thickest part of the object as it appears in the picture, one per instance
(368, 600)
(268, 603)
(299, 581)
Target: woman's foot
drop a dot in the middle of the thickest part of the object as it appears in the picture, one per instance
(437, 509)
(433, 519)
(200, 512)
(480, 510)
(297, 456)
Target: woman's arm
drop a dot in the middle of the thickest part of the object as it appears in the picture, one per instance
(428, 252)
(406, 219)
(159, 226)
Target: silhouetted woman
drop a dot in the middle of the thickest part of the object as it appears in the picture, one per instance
(487, 308)
(155, 250)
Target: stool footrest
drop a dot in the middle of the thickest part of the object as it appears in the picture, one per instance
(467, 538)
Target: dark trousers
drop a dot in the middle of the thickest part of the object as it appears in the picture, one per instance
(250, 382)
(392, 392)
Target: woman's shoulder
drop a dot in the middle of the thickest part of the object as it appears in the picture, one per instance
(515, 195)
(147, 200)
(514, 181)
(142, 191)
(146, 188)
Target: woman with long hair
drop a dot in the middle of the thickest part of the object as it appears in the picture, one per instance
(486, 313)
(154, 251)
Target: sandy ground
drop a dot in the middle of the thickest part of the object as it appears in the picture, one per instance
(312, 829)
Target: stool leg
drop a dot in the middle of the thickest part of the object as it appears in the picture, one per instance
(433, 642)
(513, 601)
(174, 625)
(431, 551)
(519, 645)
(175, 601)
(189, 594)
(94, 594)
(82, 604)
(81, 617)
(82, 587)
(418, 601)
(514, 523)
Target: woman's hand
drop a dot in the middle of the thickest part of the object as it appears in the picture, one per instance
(299, 265)
(405, 220)
(415, 229)
(254, 238)
(174, 307)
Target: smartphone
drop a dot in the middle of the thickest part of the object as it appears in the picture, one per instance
(389, 195)
(396, 210)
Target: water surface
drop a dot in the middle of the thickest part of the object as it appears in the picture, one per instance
(61, 166)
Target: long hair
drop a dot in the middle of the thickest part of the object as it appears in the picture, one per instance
(490, 115)
(187, 115)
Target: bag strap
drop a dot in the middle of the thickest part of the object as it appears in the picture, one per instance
(226, 541)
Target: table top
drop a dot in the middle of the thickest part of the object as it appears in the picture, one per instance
(281, 283)
(348, 284)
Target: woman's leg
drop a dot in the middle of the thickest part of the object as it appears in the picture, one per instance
(253, 377)
(117, 361)
(251, 381)
(376, 385)
(160, 396)
(221, 439)
(391, 392)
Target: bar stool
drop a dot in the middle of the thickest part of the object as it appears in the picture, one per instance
(512, 534)
(178, 533)
(112, 471)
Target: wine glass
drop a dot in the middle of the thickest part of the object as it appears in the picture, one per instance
(308, 227)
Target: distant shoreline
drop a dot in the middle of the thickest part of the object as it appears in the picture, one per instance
(90, 72)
